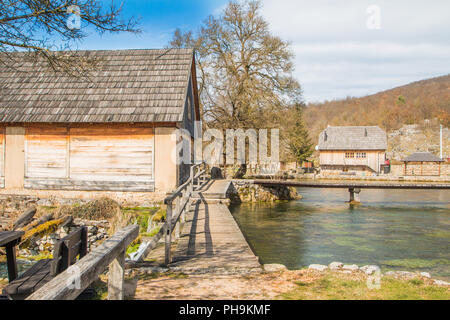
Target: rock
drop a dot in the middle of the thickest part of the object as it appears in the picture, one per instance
(274, 267)
(336, 265)
(425, 275)
(369, 270)
(441, 283)
(318, 267)
(350, 267)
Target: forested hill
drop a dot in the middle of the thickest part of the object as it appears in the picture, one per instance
(391, 109)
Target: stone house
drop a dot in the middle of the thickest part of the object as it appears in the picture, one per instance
(359, 150)
(113, 130)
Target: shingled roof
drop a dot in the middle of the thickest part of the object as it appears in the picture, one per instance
(125, 86)
(423, 157)
(353, 138)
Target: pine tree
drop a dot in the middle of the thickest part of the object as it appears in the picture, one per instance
(299, 143)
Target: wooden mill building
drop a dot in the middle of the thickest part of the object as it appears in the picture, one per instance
(113, 130)
(359, 150)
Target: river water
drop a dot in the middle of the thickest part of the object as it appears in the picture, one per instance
(395, 229)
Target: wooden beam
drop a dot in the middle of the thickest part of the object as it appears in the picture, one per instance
(87, 270)
(116, 277)
(11, 261)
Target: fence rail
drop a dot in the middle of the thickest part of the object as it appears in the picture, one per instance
(178, 203)
(70, 283)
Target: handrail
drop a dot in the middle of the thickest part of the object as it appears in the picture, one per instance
(70, 283)
(178, 203)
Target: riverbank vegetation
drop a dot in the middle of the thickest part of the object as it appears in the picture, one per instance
(338, 286)
(284, 285)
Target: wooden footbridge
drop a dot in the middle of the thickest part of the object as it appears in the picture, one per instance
(354, 187)
(208, 240)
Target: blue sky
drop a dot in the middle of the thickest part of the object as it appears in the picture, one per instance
(158, 21)
(337, 55)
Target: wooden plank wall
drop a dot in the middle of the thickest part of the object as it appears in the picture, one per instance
(2, 157)
(111, 154)
(90, 158)
(46, 152)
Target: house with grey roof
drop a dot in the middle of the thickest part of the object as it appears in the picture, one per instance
(357, 150)
(113, 130)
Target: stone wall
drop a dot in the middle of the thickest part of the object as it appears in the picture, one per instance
(246, 191)
(427, 170)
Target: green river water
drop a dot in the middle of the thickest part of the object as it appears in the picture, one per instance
(395, 229)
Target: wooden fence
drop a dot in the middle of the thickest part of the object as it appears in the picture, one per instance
(69, 284)
(178, 203)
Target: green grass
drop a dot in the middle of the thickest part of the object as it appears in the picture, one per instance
(142, 215)
(38, 257)
(439, 234)
(151, 234)
(337, 287)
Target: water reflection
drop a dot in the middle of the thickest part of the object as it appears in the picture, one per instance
(396, 229)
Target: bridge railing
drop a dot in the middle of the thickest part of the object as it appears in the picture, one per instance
(178, 204)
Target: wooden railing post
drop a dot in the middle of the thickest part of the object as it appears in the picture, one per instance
(168, 232)
(116, 277)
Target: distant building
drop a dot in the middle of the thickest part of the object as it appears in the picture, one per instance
(352, 150)
(422, 164)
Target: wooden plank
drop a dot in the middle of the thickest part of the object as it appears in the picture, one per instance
(80, 185)
(46, 152)
(18, 286)
(111, 154)
(15, 157)
(9, 236)
(37, 280)
(116, 277)
(89, 268)
(2, 157)
(11, 261)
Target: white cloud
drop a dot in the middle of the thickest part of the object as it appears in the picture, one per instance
(338, 56)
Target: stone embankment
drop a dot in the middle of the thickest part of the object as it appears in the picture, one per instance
(242, 191)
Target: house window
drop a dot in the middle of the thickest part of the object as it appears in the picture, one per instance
(361, 155)
(349, 155)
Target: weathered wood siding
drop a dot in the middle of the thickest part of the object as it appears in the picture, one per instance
(111, 154)
(118, 158)
(373, 159)
(2, 157)
(46, 152)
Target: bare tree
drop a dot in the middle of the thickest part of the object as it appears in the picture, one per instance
(41, 28)
(245, 76)
(245, 71)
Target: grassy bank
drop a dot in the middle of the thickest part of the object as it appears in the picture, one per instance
(335, 286)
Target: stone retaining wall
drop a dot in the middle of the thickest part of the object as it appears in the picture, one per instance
(246, 191)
